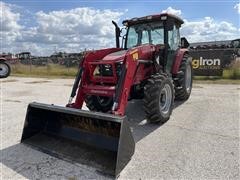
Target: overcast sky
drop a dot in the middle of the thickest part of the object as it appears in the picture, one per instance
(43, 26)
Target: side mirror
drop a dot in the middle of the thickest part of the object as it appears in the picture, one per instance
(184, 43)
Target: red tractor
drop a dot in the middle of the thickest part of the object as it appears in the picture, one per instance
(153, 64)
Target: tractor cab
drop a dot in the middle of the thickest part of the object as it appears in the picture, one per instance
(161, 31)
(155, 29)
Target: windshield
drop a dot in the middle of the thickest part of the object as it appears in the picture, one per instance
(148, 33)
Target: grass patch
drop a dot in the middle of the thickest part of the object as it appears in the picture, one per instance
(212, 78)
(50, 70)
(217, 81)
(230, 75)
(233, 72)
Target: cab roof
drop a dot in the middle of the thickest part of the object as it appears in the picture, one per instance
(151, 18)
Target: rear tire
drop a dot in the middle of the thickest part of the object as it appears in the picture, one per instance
(183, 80)
(99, 103)
(5, 69)
(158, 98)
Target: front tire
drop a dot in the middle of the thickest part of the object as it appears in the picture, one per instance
(5, 69)
(158, 98)
(99, 103)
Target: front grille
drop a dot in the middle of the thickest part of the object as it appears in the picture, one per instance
(103, 70)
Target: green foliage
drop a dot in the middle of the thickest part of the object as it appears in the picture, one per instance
(233, 72)
(56, 70)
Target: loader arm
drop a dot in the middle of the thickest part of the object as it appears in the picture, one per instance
(123, 86)
(89, 57)
(126, 81)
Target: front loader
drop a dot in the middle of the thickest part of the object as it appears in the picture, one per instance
(153, 64)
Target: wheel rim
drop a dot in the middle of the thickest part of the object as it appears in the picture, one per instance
(188, 78)
(104, 101)
(3, 69)
(165, 99)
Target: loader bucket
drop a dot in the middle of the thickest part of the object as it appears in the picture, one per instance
(101, 140)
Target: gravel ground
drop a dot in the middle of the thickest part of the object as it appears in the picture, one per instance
(200, 141)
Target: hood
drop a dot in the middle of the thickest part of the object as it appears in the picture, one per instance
(116, 56)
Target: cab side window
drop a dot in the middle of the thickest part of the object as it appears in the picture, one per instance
(145, 37)
(132, 38)
(157, 36)
(174, 38)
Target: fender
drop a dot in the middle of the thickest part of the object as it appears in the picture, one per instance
(178, 60)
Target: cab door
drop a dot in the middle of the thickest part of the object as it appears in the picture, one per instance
(174, 44)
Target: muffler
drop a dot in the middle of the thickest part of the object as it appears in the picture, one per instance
(101, 140)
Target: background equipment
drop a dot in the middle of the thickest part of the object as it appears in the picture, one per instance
(5, 69)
